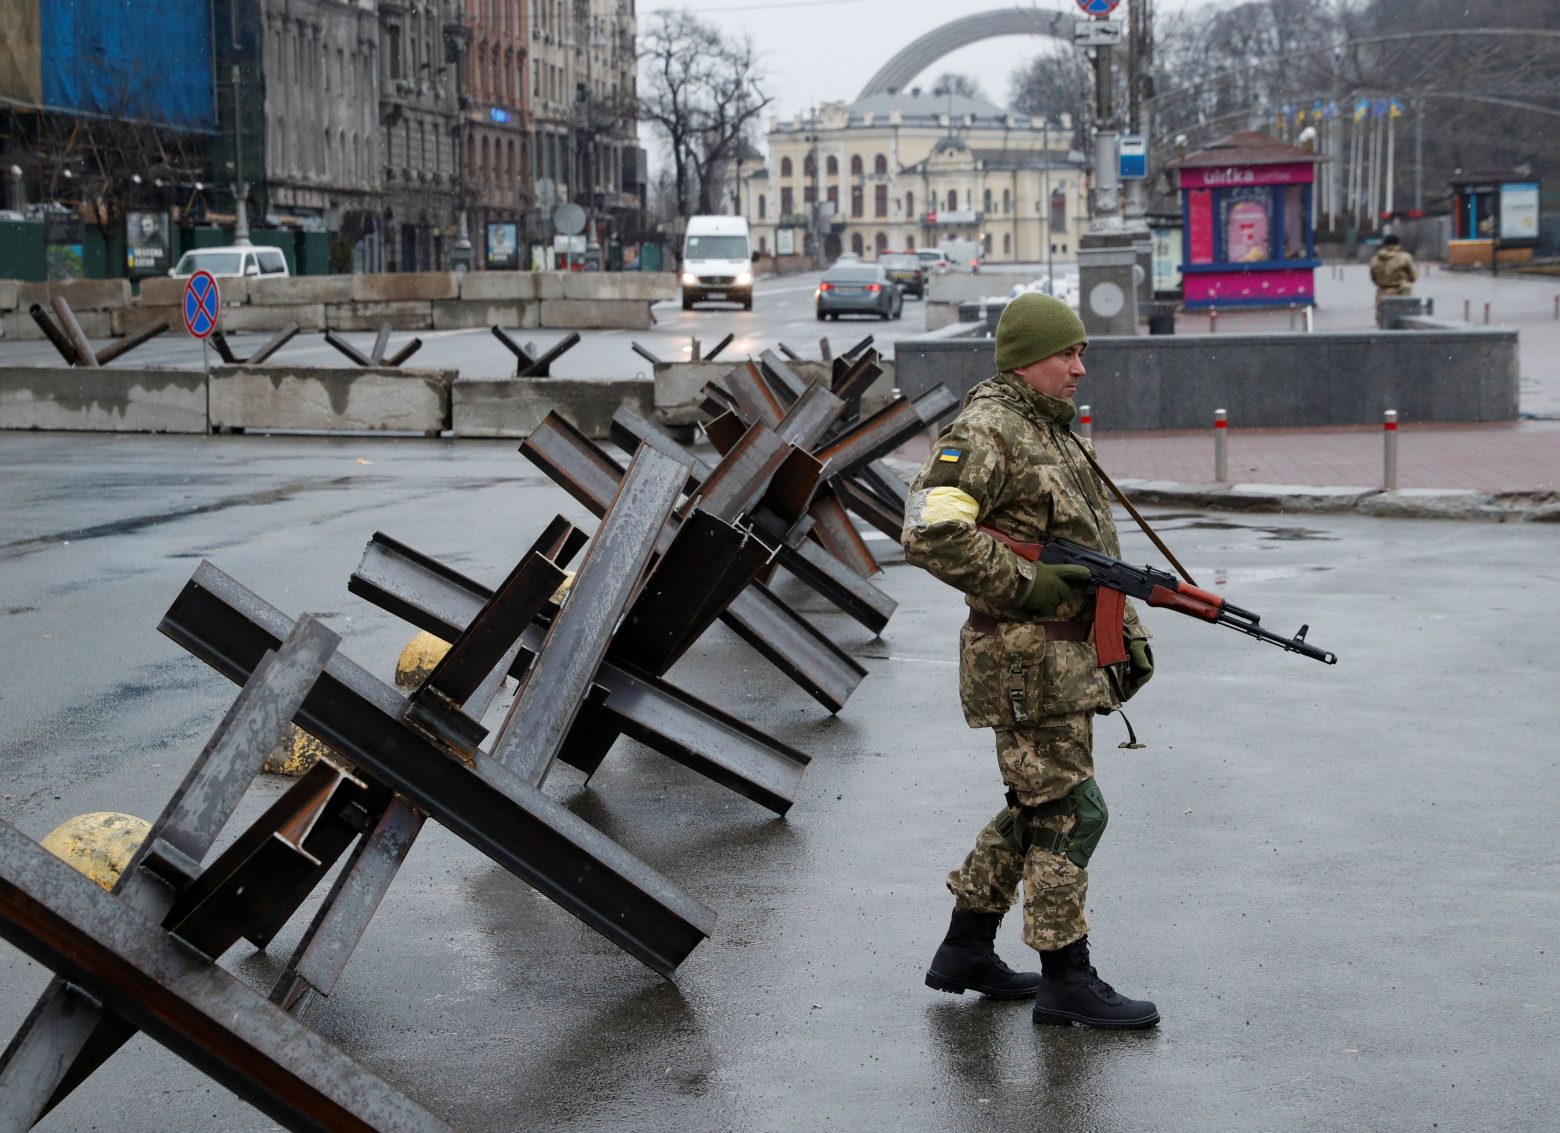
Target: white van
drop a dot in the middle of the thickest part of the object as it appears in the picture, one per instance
(231, 260)
(717, 261)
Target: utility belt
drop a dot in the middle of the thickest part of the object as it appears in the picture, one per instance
(1056, 629)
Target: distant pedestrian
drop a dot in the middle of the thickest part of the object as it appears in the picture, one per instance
(1392, 270)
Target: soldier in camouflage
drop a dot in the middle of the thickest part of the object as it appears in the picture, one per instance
(1027, 663)
(1392, 270)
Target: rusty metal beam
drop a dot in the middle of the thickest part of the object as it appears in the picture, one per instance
(177, 996)
(442, 601)
(519, 827)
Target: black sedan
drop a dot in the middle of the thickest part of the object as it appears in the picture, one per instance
(858, 289)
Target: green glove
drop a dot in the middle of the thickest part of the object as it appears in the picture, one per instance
(1052, 586)
(1140, 668)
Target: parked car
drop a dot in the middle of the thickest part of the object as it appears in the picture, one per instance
(933, 261)
(231, 260)
(904, 268)
(858, 289)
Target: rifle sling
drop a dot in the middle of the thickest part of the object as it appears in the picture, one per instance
(1132, 511)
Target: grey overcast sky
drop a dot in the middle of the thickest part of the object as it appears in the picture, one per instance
(824, 50)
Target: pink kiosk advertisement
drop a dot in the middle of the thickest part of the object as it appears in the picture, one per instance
(1246, 217)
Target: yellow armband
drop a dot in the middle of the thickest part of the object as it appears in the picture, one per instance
(941, 505)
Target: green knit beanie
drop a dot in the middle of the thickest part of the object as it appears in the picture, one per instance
(1036, 326)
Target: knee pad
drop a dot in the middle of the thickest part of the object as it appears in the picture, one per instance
(1089, 824)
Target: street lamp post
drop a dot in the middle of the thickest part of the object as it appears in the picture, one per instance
(240, 190)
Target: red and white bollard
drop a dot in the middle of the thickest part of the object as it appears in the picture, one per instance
(1389, 456)
(1086, 422)
(1221, 447)
(1486, 314)
(1213, 320)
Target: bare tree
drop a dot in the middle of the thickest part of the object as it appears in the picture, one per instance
(1053, 84)
(704, 93)
(950, 82)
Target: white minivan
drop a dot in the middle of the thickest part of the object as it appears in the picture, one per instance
(231, 260)
(717, 261)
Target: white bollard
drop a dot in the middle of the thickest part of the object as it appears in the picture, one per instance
(1310, 319)
(1221, 447)
(1389, 460)
(1085, 422)
(1213, 320)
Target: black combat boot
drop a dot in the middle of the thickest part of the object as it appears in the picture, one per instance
(967, 960)
(1072, 992)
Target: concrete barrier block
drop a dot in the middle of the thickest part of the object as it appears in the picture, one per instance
(499, 286)
(513, 407)
(649, 285)
(401, 315)
(392, 287)
(19, 327)
(328, 398)
(677, 389)
(107, 400)
(549, 284)
(298, 290)
(131, 319)
(81, 294)
(596, 314)
(459, 314)
(308, 316)
(10, 293)
(161, 291)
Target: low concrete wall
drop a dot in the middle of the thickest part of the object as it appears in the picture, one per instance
(103, 400)
(1276, 381)
(514, 407)
(319, 398)
(406, 300)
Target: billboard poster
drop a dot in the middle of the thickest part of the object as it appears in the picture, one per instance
(147, 244)
(63, 234)
(503, 247)
(785, 241)
(1519, 212)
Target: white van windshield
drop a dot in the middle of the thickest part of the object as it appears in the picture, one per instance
(716, 248)
(217, 263)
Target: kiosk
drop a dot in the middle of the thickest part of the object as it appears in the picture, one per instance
(1247, 237)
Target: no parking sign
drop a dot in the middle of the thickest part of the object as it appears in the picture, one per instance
(202, 303)
(1098, 7)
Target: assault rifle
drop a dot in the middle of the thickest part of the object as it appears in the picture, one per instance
(1113, 581)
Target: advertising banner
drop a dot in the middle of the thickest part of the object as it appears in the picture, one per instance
(63, 234)
(1519, 212)
(503, 246)
(147, 244)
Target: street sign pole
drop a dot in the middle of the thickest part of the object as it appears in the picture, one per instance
(202, 307)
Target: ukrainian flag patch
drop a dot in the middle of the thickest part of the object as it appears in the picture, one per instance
(950, 455)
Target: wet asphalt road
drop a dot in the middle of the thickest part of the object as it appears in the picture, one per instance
(1338, 883)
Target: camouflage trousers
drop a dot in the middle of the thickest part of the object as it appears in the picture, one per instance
(1041, 762)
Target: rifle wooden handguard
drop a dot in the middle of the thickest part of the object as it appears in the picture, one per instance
(1110, 606)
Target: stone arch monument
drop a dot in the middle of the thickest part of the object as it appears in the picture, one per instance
(910, 61)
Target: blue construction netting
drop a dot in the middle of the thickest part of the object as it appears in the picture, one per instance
(140, 59)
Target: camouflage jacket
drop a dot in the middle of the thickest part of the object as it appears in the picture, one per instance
(1392, 271)
(1008, 461)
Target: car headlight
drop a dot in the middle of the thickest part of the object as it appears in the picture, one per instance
(689, 277)
(744, 278)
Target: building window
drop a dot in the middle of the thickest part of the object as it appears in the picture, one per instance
(761, 204)
(809, 194)
(787, 202)
(880, 164)
(880, 200)
(910, 243)
(809, 166)
(855, 200)
(1007, 200)
(833, 166)
(910, 205)
(1007, 243)
(880, 244)
(855, 165)
(986, 201)
(953, 200)
(785, 167)
(855, 243)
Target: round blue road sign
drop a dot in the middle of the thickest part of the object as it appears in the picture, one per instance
(202, 301)
(1098, 7)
